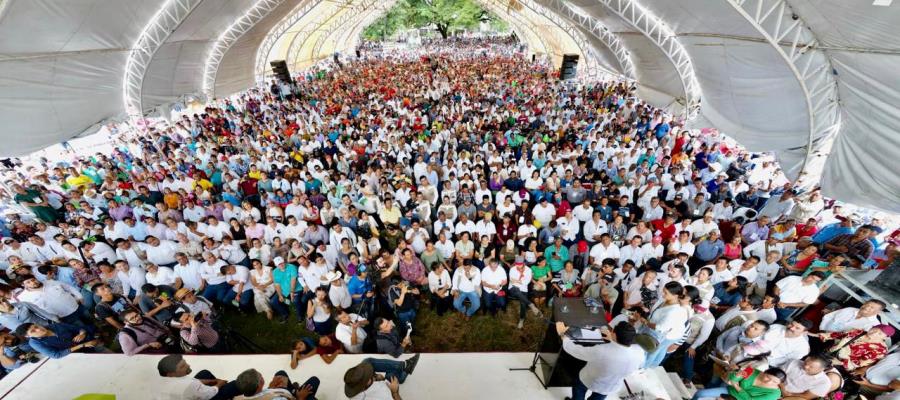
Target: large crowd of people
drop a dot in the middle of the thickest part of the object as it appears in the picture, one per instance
(462, 178)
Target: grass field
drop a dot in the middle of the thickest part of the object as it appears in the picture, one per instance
(431, 333)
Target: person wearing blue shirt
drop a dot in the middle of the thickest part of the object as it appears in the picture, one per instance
(361, 291)
(832, 231)
(729, 293)
(288, 290)
(59, 339)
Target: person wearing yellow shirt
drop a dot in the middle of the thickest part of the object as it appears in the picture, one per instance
(255, 173)
(390, 214)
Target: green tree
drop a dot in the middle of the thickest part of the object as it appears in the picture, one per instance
(444, 15)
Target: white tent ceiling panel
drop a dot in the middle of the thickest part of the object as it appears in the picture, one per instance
(659, 82)
(41, 26)
(49, 99)
(852, 23)
(862, 165)
(746, 87)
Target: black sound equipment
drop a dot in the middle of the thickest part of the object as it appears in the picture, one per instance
(569, 67)
(280, 70)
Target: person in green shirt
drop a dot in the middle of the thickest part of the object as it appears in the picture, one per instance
(287, 291)
(557, 255)
(36, 202)
(540, 276)
(748, 384)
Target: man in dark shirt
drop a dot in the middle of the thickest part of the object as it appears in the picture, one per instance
(59, 339)
(388, 340)
(110, 306)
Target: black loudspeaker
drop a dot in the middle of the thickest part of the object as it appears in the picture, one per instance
(569, 66)
(280, 69)
(336, 60)
(533, 57)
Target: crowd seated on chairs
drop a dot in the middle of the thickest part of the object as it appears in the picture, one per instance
(460, 177)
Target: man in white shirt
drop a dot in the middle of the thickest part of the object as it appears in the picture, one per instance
(788, 342)
(187, 273)
(350, 332)
(882, 377)
(159, 252)
(568, 227)
(849, 318)
(464, 225)
(745, 268)
(178, 384)
(594, 228)
(632, 252)
(57, 300)
(806, 378)
(519, 278)
(132, 278)
(796, 292)
(466, 284)
(766, 270)
(211, 272)
(544, 212)
(584, 211)
(310, 276)
(337, 290)
(760, 248)
(160, 276)
(493, 278)
(608, 364)
(238, 277)
(603, 250)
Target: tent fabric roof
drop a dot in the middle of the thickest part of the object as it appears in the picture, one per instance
(62, 69)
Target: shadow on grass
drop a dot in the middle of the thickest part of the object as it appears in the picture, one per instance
(432, 334)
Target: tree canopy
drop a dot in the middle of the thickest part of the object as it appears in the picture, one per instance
(443, 15)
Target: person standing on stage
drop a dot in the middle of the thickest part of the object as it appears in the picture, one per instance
(608, 364)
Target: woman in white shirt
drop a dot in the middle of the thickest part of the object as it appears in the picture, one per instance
(668, 322)
(319, 309)
(263, 289)
(440, 285)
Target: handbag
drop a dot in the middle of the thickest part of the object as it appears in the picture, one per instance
(310, 325)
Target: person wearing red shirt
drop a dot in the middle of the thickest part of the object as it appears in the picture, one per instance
(665, 227)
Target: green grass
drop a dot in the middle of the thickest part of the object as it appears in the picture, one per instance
(431, 333)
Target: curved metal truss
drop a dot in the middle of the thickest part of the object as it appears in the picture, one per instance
(355, 9)
(262, 54)
(599, 31)
(152, 37)
(238, 28)
(352, 36)
(515, 20)
(591, 57)
(775, 20)
(348, 19)
(358, 23)
(656, 30)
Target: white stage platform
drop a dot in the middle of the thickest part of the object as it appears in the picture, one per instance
(437, 376)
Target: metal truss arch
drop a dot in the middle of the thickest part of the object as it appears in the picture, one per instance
(812, 67)
(666, 40)
(262, 53)
(515, 20)
(591, 57)
(599, 31)
(351, 36)
(354, 8)
(347, 18)
(238, 28)
(152, 37)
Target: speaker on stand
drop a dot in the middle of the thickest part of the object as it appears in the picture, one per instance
(569, 67)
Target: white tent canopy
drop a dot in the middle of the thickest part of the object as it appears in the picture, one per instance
(811, 80)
